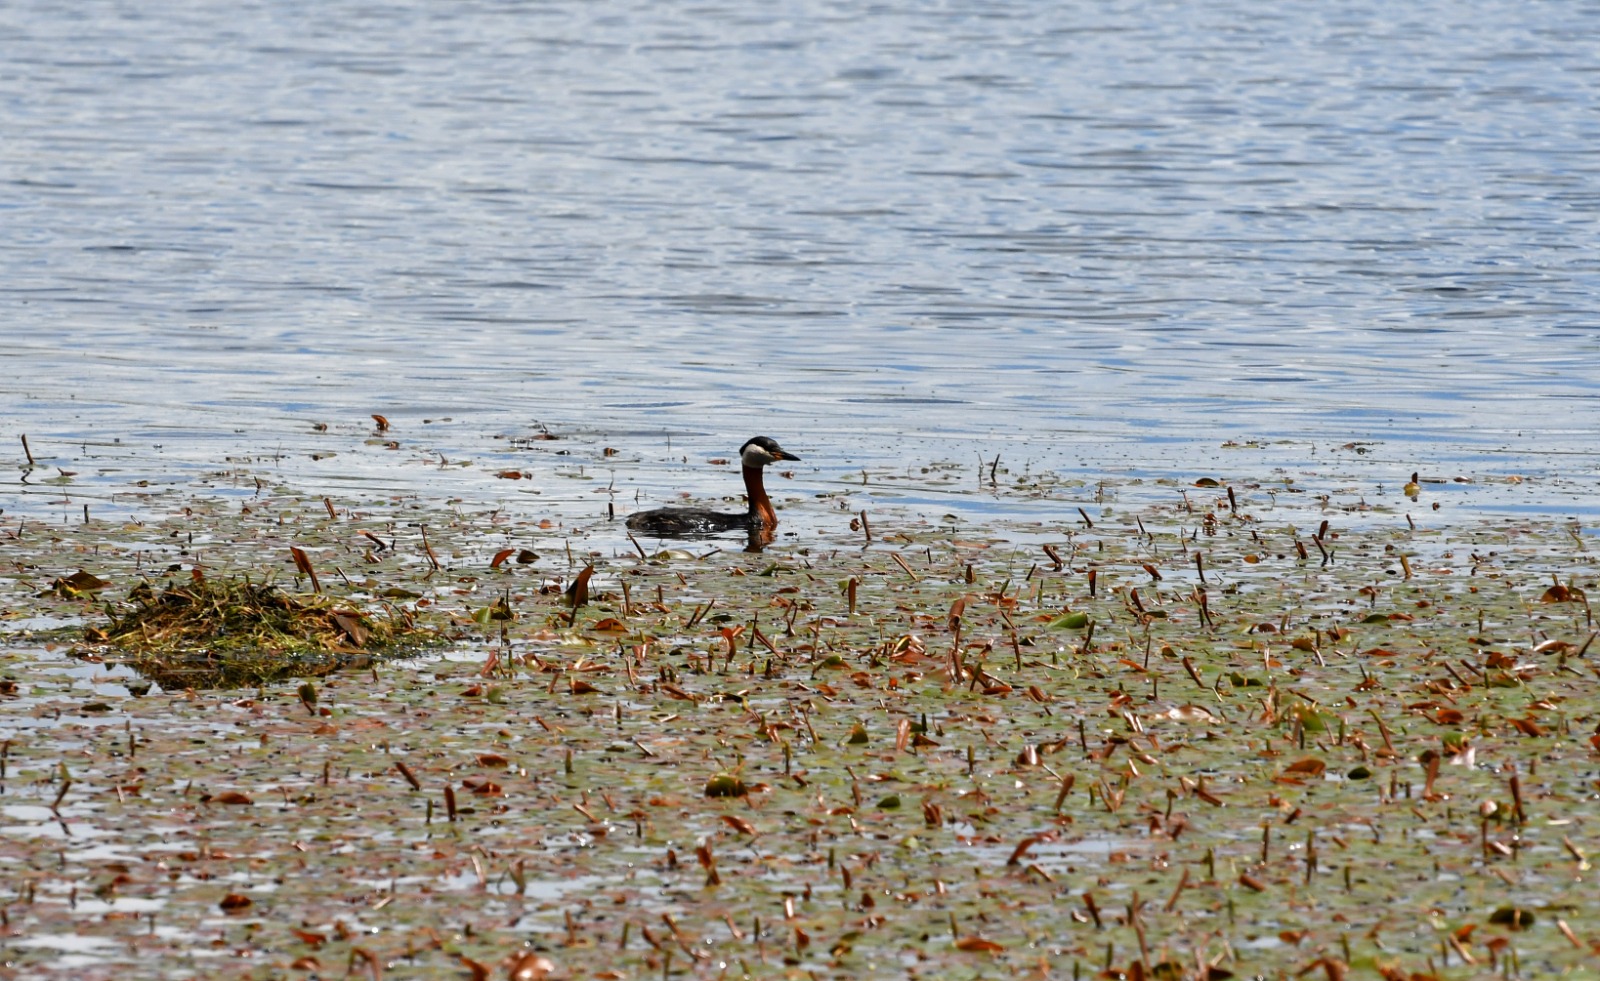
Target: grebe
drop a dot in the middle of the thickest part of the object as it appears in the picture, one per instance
(753, 455)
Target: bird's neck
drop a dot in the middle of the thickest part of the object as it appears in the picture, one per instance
(760, 504)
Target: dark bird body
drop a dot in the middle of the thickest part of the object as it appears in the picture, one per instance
(760, 517)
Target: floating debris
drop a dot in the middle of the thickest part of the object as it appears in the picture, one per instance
(215, 633)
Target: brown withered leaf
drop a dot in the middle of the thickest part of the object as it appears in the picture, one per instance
(1027, 843)
(353, 628)
(529, 967)
(1310, 766)
(501, 556)
(738, 824)
(1497, 659)
(1190, 713)
(509, 474)
(578, 592)
(80, 583)
(235, 903)
(230, 797)
(978, 945)
(302, 562)
(383, 424)
(1527, 727)
(708, 862)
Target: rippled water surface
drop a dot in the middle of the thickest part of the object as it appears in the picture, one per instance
(1079, 235)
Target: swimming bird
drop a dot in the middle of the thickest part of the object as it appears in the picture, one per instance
(754, 455)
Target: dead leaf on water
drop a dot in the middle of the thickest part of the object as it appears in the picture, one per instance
(529, 967)
(80, 583)
(235, 903)
(1190, 713)
(578, 592)
(1311, 766)
(738, 824)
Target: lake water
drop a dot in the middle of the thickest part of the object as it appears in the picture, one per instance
(1091, 238)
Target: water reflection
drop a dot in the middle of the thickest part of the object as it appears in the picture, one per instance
(1036, 228)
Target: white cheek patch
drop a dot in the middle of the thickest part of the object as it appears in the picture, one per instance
(755, 456)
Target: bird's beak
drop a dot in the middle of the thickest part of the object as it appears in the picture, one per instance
(786, 455)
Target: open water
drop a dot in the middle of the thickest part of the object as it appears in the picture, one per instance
(1088, 237)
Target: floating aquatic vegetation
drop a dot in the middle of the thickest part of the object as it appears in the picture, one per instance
(1180, 741)
(212, 633)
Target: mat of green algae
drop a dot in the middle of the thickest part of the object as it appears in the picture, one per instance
(1368, 751)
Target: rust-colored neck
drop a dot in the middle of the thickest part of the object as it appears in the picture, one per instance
(760, 505)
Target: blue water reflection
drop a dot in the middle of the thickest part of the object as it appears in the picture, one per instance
(1045, 228)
